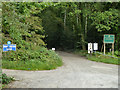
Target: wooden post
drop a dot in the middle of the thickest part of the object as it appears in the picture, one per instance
(104, 48)
(90, 53)
(5, 54)
(112, 48)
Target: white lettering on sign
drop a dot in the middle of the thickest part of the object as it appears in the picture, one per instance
(90, 49)
(9, 48)
(95, 46)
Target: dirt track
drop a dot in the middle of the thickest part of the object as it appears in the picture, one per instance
(77, 72)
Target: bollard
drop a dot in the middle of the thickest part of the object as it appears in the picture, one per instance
(53, 49)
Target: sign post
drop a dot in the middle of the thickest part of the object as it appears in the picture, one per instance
(112, 48)
(104, 48)
(90, 49)
(8, 44)
(110, 39)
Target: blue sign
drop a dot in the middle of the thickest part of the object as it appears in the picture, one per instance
(10, 47)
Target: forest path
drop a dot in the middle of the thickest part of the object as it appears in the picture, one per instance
(77, 72)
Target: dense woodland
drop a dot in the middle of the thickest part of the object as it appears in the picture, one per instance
(36, 27)
(63, 25)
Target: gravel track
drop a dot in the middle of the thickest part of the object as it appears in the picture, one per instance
(77, 72)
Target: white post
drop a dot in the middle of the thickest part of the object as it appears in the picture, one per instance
(104, 48)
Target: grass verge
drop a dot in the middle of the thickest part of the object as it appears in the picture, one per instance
(104, 59)
(31, 65)
(38, 59)
(98, 57)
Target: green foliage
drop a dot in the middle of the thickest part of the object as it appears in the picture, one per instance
(66, 25)
(32, 64)
(20, 28)
(76, 22)
(98, 57)
(104, 59)
(105, 20)
(37, 59)
(116, 53)
(6, 79)
(63, 25)
(23, 27)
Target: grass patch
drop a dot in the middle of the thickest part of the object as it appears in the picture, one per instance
(104, 59)
(99, 57)
(30, 65)
(38, 59)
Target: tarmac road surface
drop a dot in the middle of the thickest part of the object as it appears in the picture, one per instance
(77, 72)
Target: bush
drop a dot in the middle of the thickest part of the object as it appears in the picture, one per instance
(115, 54)
(6, 79)
(41, 59)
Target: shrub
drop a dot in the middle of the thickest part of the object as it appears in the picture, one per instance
(6, 79)
(40, 58)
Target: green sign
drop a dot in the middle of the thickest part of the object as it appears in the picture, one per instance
(109, 38)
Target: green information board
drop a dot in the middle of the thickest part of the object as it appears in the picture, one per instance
(108, 38)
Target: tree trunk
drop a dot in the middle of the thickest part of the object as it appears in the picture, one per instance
(65, 20)
(86, 26)
(118, 44)
(82, 34)
(83, 42)
(77, 19)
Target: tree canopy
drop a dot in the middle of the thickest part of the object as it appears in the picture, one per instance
(63, 25)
